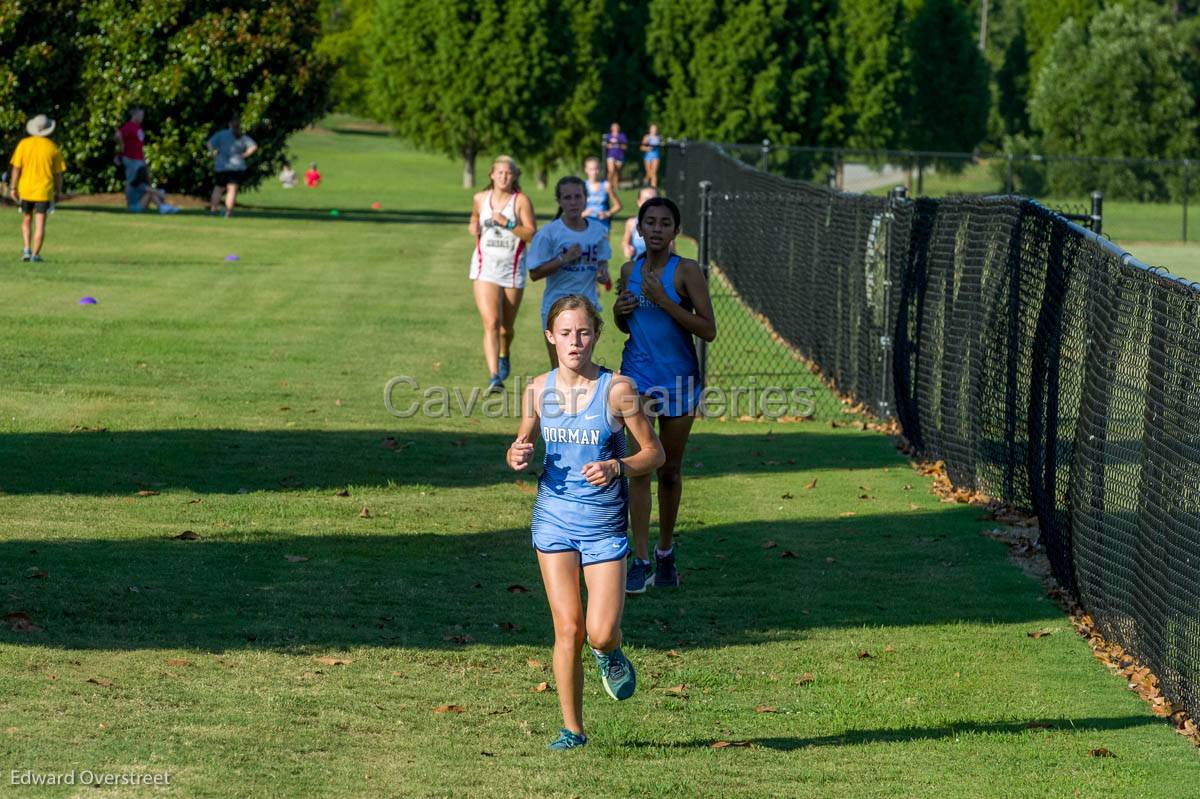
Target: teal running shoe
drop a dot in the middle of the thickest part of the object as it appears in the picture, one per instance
(568, 740)
(617, 674)
(504, 367)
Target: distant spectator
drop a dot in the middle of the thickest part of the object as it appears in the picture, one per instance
(130, 139)
(141, 193)
(287, 175)
(230, 147)
(37, 175)
(615, 144)
(312, 178)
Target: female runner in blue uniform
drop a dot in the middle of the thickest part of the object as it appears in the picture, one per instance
(602, 202)
(651, 154)
(571, 253)
(663, 301)
(580, 518)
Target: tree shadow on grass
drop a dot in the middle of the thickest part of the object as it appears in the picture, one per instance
(910, 734)
(236, 589)
(101, 462)
(351, 214)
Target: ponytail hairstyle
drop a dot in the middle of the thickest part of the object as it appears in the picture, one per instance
(575, 302)
(512, 164)
(564, 182)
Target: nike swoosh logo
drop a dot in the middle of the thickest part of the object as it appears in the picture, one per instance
(593, 416)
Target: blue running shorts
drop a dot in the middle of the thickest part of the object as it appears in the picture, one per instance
(601, 550)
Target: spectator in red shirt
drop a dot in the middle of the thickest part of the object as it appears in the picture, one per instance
(129, 139)
(312, 177)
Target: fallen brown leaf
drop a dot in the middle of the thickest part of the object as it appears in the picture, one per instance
(811, 484)
(449, 709)
(332, 661)
(1042, 633)
(517, 589)
(787, 496)
(345, 492)
(727, 744)
(147, 493)
(1101, 752)
(100, 681)
(787, 553)
(677, 690)
(365, 513)
(864, 655)
(178, 662)
(187, 535)
(533, 663)
(37, 574)
(541, 688)
(889, 648)
(671, 653)
(507, 626)
(765, 709)
(769, 545)
(805, 678)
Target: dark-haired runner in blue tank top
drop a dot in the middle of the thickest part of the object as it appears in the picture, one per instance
(663, 303)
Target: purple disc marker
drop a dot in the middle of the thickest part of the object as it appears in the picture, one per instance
(232, 257)
(87, 300)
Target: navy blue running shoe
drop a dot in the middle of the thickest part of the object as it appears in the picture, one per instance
(637, 575)
(495, 385)
(665, 575)
(504, 367)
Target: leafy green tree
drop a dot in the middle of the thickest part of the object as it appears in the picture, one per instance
(1043, 18)
(346, 30)
(466, 78)
(39, 72)
(190, 65)
(948, 107)
(876, 64)
(1115, 88)
(746, 70)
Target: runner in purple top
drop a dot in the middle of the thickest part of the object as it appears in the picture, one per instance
(615, 143)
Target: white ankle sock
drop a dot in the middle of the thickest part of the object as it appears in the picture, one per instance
(663, 553)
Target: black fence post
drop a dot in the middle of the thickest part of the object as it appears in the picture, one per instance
(766, 155)
(702, 254)
(1097, 211)
(884, 406)
(1187, 168)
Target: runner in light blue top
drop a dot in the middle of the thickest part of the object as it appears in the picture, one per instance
(651, 155)
(602, 202)
(663, 303)
(632, 243)
(571, 253)
(579, 519)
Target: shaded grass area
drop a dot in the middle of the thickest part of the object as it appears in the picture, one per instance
(248, 394)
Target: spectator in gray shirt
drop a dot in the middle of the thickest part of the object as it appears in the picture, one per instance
(231, 148)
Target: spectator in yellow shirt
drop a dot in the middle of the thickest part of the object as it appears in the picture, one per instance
(37, 173)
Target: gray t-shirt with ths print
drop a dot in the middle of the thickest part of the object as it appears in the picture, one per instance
(230, 150)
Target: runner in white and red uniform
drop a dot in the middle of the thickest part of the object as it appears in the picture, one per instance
(502, 223)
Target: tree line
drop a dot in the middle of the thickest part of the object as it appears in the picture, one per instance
(542, 78)
(190, 65)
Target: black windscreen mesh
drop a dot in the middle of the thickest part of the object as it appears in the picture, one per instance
(1029, 355)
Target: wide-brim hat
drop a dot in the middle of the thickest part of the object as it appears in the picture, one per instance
(40, 125)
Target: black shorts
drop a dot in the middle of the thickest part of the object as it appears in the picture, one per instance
(234, 176)
(34, 207)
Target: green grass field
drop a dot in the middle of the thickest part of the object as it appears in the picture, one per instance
(238, 399)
